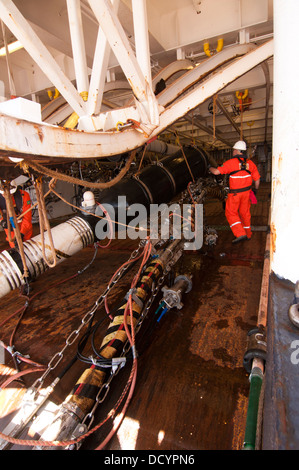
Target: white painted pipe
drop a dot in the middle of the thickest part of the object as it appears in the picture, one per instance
(69, 238)
(162, 147)
(285, 164)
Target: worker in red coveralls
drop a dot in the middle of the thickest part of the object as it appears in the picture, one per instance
(21, 202)
(242, 173)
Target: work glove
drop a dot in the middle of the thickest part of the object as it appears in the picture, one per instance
(252, 197)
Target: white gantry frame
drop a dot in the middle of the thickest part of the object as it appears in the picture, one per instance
(100, 137)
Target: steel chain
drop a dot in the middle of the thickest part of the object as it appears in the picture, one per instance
(85, 320)
(99, 399)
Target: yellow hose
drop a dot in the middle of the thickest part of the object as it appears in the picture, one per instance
(219, 45)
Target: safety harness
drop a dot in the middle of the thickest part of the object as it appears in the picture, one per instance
(243, 167)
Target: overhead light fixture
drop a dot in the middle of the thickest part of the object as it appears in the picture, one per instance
(12, 47)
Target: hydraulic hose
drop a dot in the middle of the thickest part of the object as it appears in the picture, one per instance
(91, 380)
(258, 356)
(256, 381)
(155, 184)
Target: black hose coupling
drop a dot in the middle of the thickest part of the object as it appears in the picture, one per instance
(256, 347)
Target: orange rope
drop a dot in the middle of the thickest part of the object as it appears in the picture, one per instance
(139, 168)
(214, 117)
(191, 174)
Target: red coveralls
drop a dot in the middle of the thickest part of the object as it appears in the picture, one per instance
(237, 209)
(21, 202)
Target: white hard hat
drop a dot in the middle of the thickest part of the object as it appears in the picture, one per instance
(19, 180)
(240, 145)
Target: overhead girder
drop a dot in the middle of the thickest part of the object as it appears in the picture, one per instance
(209, 130)
(227, 115)
(24, 139)
(151, 115)
(57, 110)
(24, 32)
(114, 34)
(195, 74)
(171, 69)
(155, 184)
(227, 129)
(203, 69)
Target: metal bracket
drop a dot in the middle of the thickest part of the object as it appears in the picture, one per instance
(294, 308)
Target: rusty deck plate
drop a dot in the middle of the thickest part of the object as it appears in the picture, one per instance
(192, 390)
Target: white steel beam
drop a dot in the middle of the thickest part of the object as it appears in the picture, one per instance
(217, 82)
(171, 93)
(141, 38)
(99, 70)
(78, 44)
(19, 26)
(12, 88)
(120, 45)
(284, 256)
(193, 76)
(28, 139)
(171, 69)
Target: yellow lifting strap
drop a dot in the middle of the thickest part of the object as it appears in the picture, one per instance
(73, 119)
(242, 96)
(51, 96)
(206, 48)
